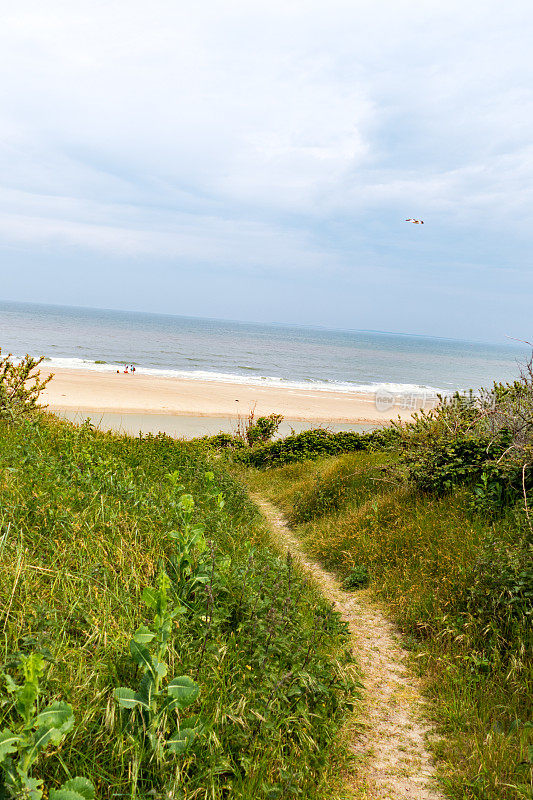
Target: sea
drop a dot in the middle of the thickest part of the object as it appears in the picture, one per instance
(247, 352)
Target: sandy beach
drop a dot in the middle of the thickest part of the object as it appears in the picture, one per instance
(90, 391)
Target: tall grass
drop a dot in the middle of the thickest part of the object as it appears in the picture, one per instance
(459, 584)
(85, 522)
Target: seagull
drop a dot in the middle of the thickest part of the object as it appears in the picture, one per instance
(415, 221)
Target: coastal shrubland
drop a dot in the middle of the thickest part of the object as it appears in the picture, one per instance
(437, 522)
(196, 660)
(156, 645)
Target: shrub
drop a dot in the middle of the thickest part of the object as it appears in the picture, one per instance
(452, 461)
(315, 443)
(223, 441)
(20, 386)
(264, 429)
(251, 431)
(484, 442)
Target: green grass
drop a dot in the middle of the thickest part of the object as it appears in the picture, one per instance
(85, 519)
(455, 580)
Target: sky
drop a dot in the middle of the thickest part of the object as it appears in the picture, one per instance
(257, 160)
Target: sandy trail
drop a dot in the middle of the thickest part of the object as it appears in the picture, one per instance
(392, 761)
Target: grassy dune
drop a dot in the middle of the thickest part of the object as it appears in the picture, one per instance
(458, 583)
(85, 526)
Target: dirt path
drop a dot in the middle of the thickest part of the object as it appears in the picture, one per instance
(394, 763)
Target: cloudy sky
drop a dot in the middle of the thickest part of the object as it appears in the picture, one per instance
(256, 160)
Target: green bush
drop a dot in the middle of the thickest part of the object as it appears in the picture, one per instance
(249, 433)
(223, 441)
(263, 429)
(315, 443)
(484, 442)
(20, 386)
(454, 460)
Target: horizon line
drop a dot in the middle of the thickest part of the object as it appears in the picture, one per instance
(307, 326)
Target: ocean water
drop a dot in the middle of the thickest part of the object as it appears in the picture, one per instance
(365, 361)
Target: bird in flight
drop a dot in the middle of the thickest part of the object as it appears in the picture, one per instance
(415, 221)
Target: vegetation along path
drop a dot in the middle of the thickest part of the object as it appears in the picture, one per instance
(394, 761)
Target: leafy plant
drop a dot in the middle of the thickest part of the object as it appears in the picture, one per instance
(357, 579)
(489, 493)
(263, 429)
(313, 444)
(223, 441)
(155, 708)
(20, 386)
(22, 745)
(483, 441)
(186, 565)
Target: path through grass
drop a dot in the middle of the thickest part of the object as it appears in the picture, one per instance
(391, 759)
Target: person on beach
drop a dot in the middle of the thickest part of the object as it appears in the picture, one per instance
(133, 369)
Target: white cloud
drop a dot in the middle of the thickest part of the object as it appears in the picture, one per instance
(131, 232)
(252, 122)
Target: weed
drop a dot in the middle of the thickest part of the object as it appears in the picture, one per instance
(358, 578)
(33, 730)
(155, 711)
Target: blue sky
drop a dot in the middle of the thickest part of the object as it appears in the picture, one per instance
(256, 161)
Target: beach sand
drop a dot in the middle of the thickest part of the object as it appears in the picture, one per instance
(80, 392)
